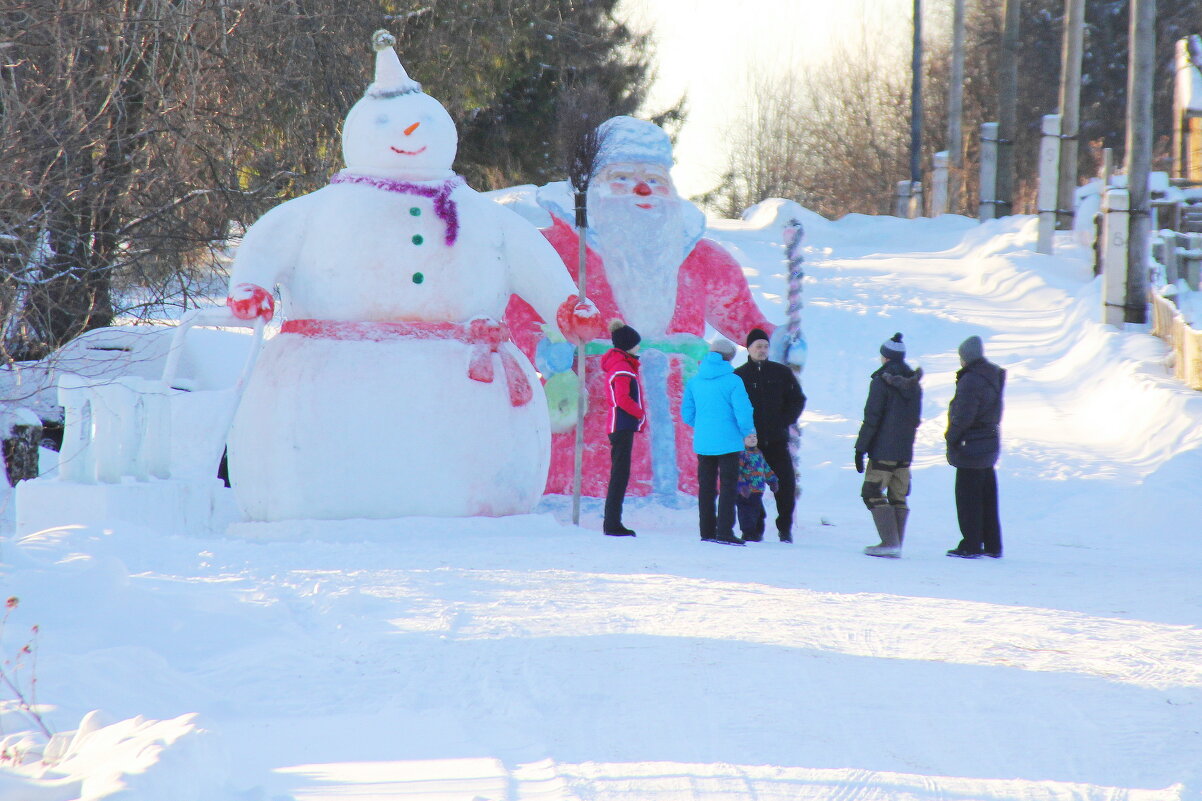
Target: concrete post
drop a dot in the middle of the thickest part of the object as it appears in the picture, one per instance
(1049, 177)
(901, 206)
(1169, 255)
(939, 179)
(988, 201)
(1191, 257)
(1113, 250)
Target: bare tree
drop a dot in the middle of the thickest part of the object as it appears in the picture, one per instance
(835, 137)
(137, 135)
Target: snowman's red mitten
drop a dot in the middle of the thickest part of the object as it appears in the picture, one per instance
(579, 320)
(248, 301)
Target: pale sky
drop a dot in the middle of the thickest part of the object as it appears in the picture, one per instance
(710, 47)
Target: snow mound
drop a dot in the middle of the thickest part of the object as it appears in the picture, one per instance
(134, 760)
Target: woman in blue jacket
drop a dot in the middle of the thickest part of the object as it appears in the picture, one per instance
(716, 406)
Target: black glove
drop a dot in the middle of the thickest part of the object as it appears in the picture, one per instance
(860, 461)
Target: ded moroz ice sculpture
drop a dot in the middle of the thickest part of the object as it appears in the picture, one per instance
(649, 264)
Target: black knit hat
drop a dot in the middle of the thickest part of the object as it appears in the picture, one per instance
(624, 337)
(894, 348)
(756, 333)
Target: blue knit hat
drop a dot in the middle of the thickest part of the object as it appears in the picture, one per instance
(894, 348)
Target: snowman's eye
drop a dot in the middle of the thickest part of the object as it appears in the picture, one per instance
(382, 119)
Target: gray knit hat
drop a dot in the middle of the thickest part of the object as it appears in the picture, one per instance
(972, 349)
(723, 346)
(894, 348)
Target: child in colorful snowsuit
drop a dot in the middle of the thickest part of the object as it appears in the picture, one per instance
(755, 477)
(626, 417)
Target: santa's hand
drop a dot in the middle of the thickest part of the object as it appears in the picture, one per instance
(553, 354)
(579, 320)
(248, 301)
(785, 350)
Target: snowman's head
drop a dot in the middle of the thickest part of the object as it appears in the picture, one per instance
(396, 129)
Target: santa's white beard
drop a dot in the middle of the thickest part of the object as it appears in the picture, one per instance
(642, 250)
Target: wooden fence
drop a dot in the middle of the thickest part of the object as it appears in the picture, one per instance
(1169, 325)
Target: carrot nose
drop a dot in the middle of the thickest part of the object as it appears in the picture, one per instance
(412, 128)
(642, 189)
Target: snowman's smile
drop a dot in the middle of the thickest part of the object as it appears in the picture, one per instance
(396, 149)
(643, 205)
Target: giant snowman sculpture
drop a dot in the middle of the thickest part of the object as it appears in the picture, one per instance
(392, 389)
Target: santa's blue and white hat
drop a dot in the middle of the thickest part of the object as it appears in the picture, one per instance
(628, 139)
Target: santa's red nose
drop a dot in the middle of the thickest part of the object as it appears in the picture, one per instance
(642, 189)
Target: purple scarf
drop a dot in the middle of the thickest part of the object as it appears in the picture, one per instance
(440, 193)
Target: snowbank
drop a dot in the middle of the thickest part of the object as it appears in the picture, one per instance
(524, 658)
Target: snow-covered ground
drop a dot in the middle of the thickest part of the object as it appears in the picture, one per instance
(524, 658)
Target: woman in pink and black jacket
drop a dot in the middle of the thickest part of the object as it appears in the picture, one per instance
(626, 416)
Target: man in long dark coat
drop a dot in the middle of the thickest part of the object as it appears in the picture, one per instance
(778, 401)
(973, 444)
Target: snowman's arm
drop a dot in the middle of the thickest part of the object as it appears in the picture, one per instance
(536, 273)
(270, 248)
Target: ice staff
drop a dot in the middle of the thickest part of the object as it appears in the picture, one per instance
(579, 112)
(794, 234)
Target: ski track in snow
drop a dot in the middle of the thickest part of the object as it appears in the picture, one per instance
(524, 660)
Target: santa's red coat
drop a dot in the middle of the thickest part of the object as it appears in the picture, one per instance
(711, 289)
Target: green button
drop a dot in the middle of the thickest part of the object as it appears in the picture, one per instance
(418, 239)
(415, 211)
(418, 278)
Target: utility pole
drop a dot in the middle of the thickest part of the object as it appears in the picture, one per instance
(955, 113)
(1070, 108)
(1007, 108)
(916, 111)
(1140, 71)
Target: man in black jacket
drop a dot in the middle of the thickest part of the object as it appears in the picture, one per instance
(891, 417)
(973, 444)
(777, 401)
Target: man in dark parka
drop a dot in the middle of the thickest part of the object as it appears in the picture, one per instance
(891, 417)
(973, 444)
(777, 401)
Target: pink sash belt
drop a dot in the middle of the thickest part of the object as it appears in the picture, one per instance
(486, 337)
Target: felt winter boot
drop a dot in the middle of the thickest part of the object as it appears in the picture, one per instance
(901, 512)
(886, 527)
